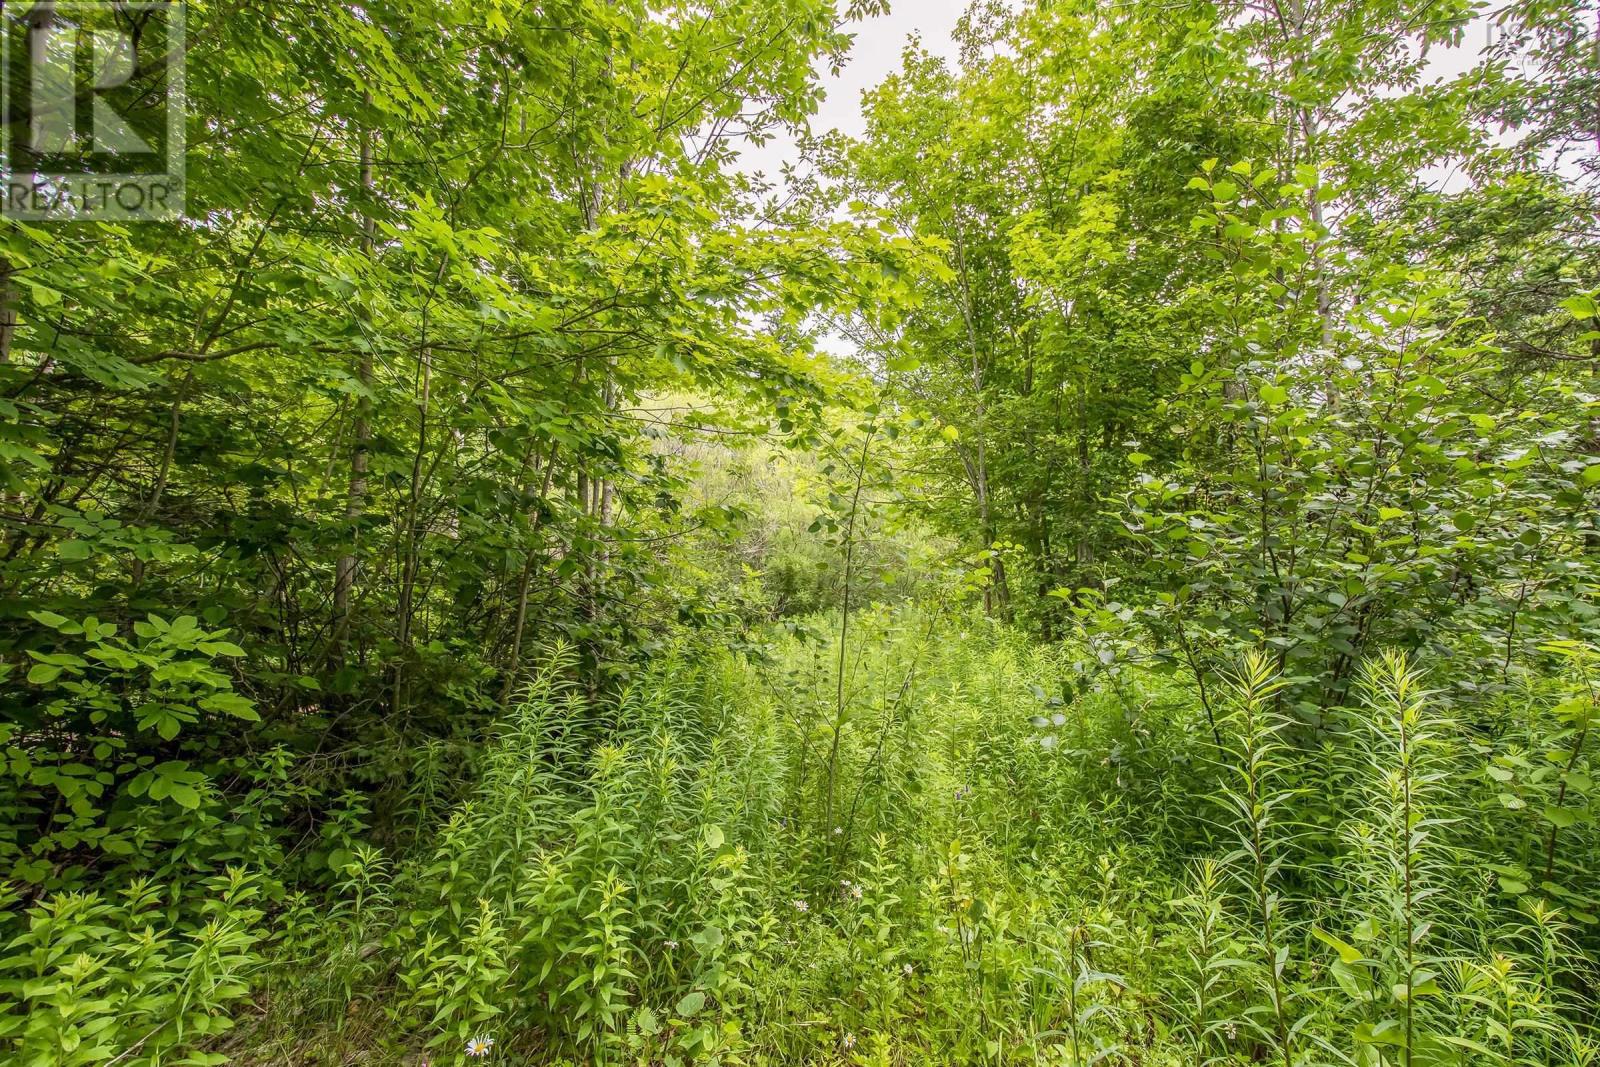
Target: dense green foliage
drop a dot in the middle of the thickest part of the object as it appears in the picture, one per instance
(451, 594)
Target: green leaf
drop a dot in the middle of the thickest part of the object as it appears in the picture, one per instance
(1561, 818)
(691, 1004)
(231, 704)
(1348, 954)
(1582, 306)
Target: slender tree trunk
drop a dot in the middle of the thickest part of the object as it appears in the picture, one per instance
(344, 579)
(8, 311)
(409, 564)
(844, 635)
(526, 580)
(11, 501)
(996, 599)
(163, 474)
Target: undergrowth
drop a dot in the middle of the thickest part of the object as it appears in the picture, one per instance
(988, 852)
(976, 850)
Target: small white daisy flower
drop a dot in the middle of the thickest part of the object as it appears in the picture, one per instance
(479, 1046)
(801, 905)
(908, 969)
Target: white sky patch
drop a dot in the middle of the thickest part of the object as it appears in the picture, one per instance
(876, 53)
(1447, 64)
(879, 44)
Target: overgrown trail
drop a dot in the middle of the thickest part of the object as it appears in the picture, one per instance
(1034, 854)
(666, 880)
(1099, 568)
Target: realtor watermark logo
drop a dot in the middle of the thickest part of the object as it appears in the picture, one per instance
(93, 98)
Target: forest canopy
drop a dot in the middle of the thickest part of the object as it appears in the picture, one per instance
(1098, 568)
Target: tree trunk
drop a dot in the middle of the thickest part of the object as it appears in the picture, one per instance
(344, 578)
